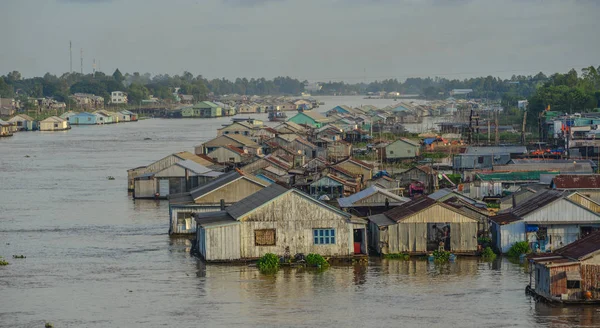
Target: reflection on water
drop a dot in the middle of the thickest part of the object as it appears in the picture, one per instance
(97, 258)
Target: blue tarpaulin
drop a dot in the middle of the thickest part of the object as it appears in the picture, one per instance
(429, 141)
(532, 228)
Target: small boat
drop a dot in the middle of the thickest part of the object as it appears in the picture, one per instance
(277, 116)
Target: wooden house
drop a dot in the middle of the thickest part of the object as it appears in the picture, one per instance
(570, 274)
(424, 174)
(291, 127)
(203, 109)
(310, 118)
(385, 182)
(165, 162)
(370, 201)
(84, 118)
(5, 129)
(281, 221)
(402, 149)
(24, 122)
(235, 140)
(239, 127)
(54, 123)
(421, 226)
(332, 187)
(229, 155)
(213, 196)
(358, 167)
(181, 177)
(548, 220)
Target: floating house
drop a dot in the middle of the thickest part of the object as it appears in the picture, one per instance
(570, 274)
(24, 122)
(310, 118)
(203, 109)
(127, 116)
(402, 149)
(281, 221)
(421, 226)
(357, 167)
(213, 196)
(548, 220)
(84, 118)
(370, 201)
(236, 140)
(54, 123)
(5, 129)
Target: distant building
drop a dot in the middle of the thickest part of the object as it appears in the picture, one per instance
(118, 97)
(456, 92)
(54, 123)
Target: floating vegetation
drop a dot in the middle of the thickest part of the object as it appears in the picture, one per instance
(3, 262)
(316, 260)
(397, 256)
(268, 263)
(19, 256)
(48, 325)
(519, 248)
(442, 256)
(110, 177)
(488, 254)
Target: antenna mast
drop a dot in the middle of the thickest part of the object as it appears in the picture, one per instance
(81, 59)
(70, 58)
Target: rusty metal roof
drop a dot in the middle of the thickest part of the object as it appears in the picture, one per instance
(505, 218)
(576, 181)
(582, 248)
(539, 200)
(414, 206)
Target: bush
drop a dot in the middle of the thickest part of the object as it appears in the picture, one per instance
(484, 241)
(268, 263)
(316, 260)
(441, 256)
(488, 253)
(397, 256)
(2, 261)
(518, 248)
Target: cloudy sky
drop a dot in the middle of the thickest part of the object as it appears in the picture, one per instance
(318, 40)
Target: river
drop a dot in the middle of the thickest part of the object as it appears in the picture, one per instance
(97, 258)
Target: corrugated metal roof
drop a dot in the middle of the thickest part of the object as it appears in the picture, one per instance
(195, 167)
(576, 181)
(350, 200)
(414, 206)
(497, 150)
(505, 218)
(582, 248)
(256, 200)
(184, 198)
(207, 219)
(215, 184)
(316, 116)
(381, 220)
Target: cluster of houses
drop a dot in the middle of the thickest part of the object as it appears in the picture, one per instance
(296, 187)
(24, 122)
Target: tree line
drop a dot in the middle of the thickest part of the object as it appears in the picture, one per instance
(569, 92)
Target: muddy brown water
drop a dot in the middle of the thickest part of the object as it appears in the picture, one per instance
(97, 258)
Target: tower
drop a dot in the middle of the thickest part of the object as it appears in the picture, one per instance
(70, 58)
(81, 58)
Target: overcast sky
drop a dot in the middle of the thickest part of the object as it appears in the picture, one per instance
(318, 40)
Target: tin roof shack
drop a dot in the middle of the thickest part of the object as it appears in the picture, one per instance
(402, 149)
(165, 162)
(182, 177)
(424, 174)
(331, 187)
(480, 185)
(461, 162)
(5, 129)
(24, 122)
(565, 168)
(54, 123)
(230, 155)
(513, 151)
(522, 194)
(357, 167)
(548, 220)
(279, 220)
(569, 275)
(235, 140)
(310, 118)
(586, 184)
(423, 225)
(213, 196)
(371, 201)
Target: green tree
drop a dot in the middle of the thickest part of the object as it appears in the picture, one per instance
(6, 90)
(118, 76)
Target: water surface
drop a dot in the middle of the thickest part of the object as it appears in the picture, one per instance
(97, 258)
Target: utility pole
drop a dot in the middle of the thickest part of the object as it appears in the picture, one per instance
(524, 121)
(497, 128)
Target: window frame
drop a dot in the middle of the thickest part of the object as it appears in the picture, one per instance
(324, 236)
(256, 243)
